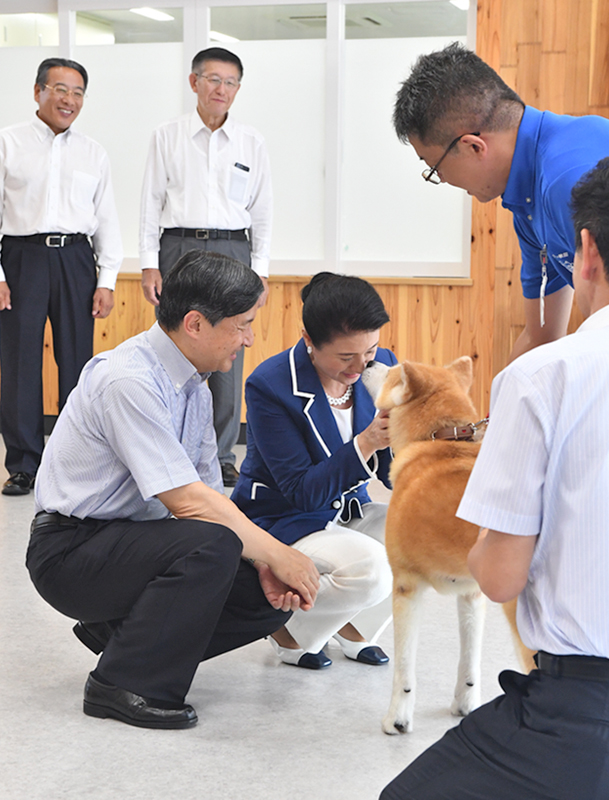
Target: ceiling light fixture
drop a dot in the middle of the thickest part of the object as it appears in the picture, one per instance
(152, 13)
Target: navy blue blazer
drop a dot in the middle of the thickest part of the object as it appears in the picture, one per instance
(298, 474)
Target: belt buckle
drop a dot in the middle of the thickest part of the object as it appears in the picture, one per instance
(60, 243)
(204, 234)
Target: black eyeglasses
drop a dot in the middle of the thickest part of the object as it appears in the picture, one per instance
(431, 173)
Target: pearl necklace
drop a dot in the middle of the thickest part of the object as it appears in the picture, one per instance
(338, 401)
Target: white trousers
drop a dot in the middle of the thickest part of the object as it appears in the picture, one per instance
(355, 580)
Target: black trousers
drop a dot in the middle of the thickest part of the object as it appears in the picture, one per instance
(226, 387)
(546, 738)
(178, 590)
(44, 281)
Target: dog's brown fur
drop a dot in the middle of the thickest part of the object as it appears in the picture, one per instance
(427, 544)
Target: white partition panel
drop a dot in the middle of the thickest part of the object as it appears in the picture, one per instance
(18, 66)
(282, 95)
(133, 88)
(394, 223)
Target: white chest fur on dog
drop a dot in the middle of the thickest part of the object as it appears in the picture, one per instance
(427, 544)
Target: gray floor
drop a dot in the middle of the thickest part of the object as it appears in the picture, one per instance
(266, 730)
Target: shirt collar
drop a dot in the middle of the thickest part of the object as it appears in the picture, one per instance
(175, 363)
(521, 182)
(197, 125)
(600, 319)
(44, 132)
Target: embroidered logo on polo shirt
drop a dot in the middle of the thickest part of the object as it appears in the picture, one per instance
(564, 260)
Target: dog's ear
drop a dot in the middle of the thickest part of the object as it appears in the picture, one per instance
(415, 380)
(391, 393)
(463, 369)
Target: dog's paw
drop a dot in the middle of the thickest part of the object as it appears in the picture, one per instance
(465, 701)
(391, 725)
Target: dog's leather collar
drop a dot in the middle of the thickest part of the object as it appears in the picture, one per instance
(459, 433)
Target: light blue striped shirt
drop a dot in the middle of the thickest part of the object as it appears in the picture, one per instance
(544, 469)
(139, 422)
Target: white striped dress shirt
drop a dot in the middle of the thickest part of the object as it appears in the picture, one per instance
(139, 422)
(544, 469)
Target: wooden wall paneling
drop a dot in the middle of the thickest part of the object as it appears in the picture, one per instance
(528, 76)
(577, 79)
(50, 378)
(599, 54)
(520, 24)
(507, 250)
(554, 26)
(552, 82)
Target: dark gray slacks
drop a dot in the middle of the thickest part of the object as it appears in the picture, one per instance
(226, 387)
(44, 281)
(179, 587)
(546, 738)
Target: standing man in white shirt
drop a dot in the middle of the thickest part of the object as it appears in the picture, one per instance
(61, 251)
(207, 186)
(539, 492)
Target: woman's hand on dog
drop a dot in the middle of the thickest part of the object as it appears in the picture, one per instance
(375, 436)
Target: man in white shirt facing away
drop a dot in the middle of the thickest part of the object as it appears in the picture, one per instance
(539, 492)
(207, 186)
(61, 251)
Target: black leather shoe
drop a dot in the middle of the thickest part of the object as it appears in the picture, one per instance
(372, 655)
(18, 483)
(230, 475)
(110, 701)
(94, 635)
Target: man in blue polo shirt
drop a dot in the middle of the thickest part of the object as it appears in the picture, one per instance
(474, 132)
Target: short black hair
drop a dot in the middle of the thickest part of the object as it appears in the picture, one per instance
(590, 209)
(216, 54)
(42, 75)
(215, 285)
(335, 305)
(453, 91)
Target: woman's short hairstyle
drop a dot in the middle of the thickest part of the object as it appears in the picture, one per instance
(212, 284)
(335, 305)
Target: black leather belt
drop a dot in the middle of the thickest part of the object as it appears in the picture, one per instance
(50, 239)
(207, 233)
(44, 519)
(590, 668)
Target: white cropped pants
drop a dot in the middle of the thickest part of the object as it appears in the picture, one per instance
(355, 580)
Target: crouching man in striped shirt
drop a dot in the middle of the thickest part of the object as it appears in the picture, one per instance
(133, 535)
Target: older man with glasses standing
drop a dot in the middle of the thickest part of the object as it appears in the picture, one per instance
(61, 252)
(474, 132)
(207, 186)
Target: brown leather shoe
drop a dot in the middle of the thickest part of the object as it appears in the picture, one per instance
(104, 701)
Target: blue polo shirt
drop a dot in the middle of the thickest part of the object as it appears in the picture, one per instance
(552, 153)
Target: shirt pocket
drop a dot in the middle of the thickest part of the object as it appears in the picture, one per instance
(84, 186)
(237, 188)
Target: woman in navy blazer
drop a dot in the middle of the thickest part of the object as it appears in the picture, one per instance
(313, 443)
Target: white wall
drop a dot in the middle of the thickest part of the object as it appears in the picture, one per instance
(391, 223)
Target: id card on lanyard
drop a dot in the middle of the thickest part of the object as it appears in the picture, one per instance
(543, 257)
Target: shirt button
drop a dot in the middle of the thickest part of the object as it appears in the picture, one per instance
(528, 199)
(529, 217)
(336, 504)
